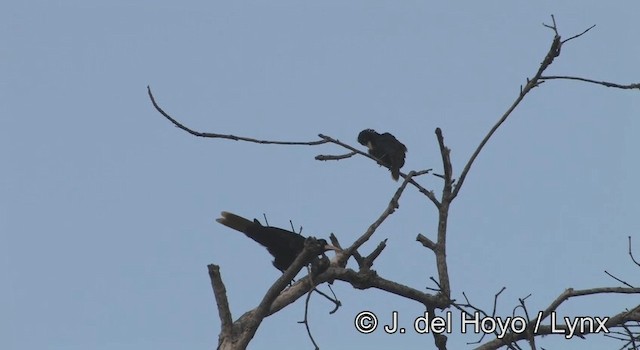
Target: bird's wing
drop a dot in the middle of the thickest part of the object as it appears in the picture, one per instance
(393, 148)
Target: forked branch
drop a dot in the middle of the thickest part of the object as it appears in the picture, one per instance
(554, 51)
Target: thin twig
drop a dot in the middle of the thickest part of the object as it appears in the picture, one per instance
(554, 27)
(553, 52)
(578, 35)
(495, 300)
(603, 83)
(476, 309)
(632, 337)
(617, 279)
(391, 207)
(306, 319)
(437, 290)
(530, 336)
(229, 137)
(335, 297)
(631, 253)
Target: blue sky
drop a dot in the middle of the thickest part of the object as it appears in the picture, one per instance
(107, 212)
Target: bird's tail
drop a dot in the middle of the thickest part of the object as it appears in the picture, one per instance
(234, 221)
(395, 174)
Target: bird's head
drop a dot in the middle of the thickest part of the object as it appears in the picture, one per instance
(326, 246)
(366, 136)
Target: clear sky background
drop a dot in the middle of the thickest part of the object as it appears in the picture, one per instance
(107, 211)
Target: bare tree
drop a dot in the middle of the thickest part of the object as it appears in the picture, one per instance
(237, 334)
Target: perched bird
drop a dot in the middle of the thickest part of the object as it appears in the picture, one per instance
(282, 244)
(385, 148)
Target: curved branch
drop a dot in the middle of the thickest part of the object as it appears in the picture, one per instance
(325, 139)
(631, 253)
(554, 51)
(223, 136)
(603, 83)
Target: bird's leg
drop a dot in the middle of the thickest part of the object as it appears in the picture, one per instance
(317, 267)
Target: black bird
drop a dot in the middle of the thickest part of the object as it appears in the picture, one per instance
(386, 148)
(282, 244)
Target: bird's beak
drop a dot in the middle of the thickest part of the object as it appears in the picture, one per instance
(330, 247)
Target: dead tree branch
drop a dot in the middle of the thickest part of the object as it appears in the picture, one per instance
(246, 326)
(220, 294)
(631, 253)
(603, 83)
(238, 334)
(324, 139)
(554, 51)
(229, 137)
(613, 321)
(391, 207)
